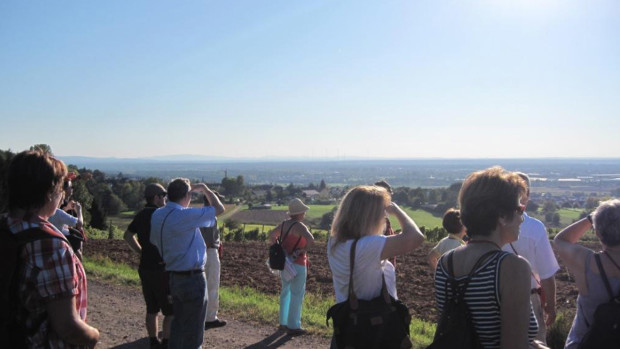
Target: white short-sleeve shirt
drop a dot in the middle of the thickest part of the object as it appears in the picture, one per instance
(62, 221)
(533, 244)
(367, 270)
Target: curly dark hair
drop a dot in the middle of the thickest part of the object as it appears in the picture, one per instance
(452, 221)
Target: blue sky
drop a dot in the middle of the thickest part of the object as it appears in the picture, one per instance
(294, 78)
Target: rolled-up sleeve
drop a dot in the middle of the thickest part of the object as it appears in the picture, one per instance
(198, 217)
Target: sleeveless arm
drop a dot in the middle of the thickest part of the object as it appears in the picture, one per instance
(514, 276)
(410, 238)
(275, 233)
(572, 254)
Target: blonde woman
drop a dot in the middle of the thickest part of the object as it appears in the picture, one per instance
(361, 215)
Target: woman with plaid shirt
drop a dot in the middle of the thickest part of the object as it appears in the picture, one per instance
(52, 282)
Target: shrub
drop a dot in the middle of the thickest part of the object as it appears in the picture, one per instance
(557, 333)
(238, 235)
(231, 224)
(434, 234)
(252, 234)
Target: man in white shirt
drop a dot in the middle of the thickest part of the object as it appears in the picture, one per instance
(533, 244)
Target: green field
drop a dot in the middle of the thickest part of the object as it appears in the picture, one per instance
(567, 216)
(315, 212)
(421, 217)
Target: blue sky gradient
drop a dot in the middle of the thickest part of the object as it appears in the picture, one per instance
(385, 79)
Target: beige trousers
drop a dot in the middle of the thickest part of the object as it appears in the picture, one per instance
(538, 311)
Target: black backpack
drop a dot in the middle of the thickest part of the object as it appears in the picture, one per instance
(604, 332)
(382, 322)
(456, 327)
(277, 255)
(12, 333)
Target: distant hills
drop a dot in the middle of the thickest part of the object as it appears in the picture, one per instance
(349, 171)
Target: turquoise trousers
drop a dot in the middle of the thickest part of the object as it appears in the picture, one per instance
(292, 297)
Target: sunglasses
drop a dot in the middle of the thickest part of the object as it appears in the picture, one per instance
(520, 209)
(162, 194)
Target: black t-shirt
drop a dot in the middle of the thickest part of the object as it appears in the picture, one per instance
(141, 225)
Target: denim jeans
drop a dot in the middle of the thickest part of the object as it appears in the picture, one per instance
(189, 302)
(292, 297)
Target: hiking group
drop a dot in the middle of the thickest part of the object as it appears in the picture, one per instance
(494, 272)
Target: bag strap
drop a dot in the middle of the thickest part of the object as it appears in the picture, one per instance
(531, 272)
(297, 243)
(597, 257)
(161, 234)
(282, 237)
(353, 301)
(611, 259)
(352, 296)
(479, 262)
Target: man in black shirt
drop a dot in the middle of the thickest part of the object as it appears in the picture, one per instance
(151, 270)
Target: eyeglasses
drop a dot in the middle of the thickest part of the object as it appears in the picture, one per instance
(520, 209)
(162, 194)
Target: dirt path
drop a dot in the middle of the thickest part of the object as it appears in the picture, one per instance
(118, 312)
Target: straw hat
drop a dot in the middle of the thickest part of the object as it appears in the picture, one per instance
(296, 206)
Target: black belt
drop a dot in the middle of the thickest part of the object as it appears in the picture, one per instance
(188, 272)
(537, 291)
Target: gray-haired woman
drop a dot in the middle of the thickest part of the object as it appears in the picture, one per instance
(581, 262)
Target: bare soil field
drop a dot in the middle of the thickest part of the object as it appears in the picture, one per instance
(243, 264)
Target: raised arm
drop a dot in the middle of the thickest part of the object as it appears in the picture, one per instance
(572, 254)
(410, 237)
(78, 209)
(213, 199)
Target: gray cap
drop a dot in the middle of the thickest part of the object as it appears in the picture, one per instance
(153, 189)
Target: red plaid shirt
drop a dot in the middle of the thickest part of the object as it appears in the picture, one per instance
(50, 270)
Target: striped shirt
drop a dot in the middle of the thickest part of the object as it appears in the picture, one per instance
(483, 299)
(50, 270)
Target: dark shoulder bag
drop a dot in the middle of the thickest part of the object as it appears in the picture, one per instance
(277, 255)
(456, 327)
(382, 322)
(604, 331)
